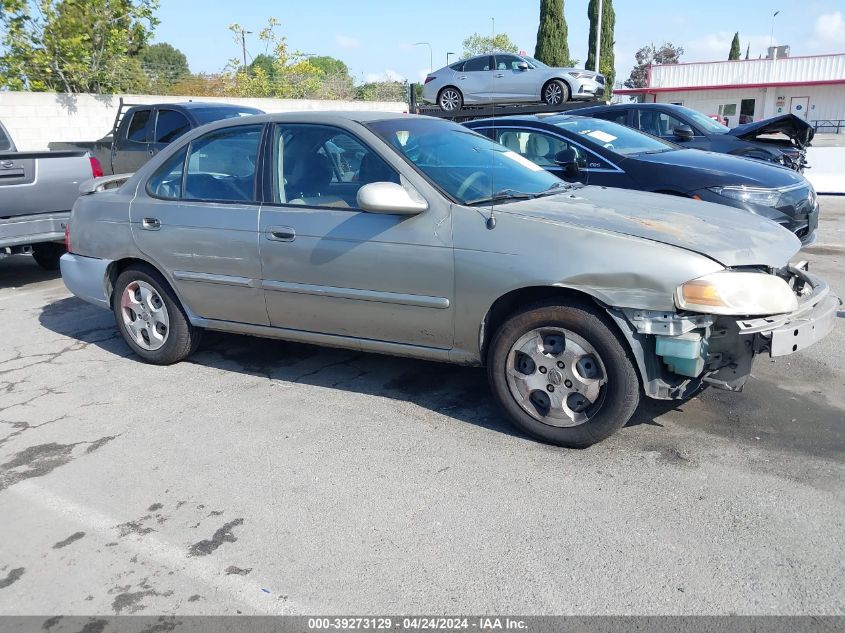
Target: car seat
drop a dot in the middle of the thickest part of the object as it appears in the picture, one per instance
(511, 141)
(539, 149)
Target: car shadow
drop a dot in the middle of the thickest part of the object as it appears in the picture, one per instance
(21, 270)
(452, 390)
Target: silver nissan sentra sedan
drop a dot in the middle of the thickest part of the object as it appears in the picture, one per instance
(414, 236)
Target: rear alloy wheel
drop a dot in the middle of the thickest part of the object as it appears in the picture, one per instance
(450, 99)
(150, 318)
(563, 375)
(48, 254)
(556, 92)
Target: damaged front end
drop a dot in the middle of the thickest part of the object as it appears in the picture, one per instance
(679, 353)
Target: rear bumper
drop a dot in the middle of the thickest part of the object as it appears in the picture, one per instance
(33, 229)
(87, 278)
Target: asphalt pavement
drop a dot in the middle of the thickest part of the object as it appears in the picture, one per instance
(271, 477)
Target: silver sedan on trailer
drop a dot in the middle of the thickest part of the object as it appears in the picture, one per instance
(508, 78)
(415, 236)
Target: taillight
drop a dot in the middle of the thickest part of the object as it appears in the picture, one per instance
(67, 236)
(430, 78)
(96, 167)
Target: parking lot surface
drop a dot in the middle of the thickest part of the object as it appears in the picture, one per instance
(270, 477)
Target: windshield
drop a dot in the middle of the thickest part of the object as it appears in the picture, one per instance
(618, 138)
(705, 122)
(466, 166)
(535, 62)
(207, 115)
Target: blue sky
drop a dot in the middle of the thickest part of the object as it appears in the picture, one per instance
(375, 38)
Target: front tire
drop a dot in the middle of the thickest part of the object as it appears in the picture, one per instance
(450, 99)
(563, 375)
(48, 254)
(150, 317)
(556, 92)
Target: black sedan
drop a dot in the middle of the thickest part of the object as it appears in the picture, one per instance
(597, 152)
(695, 130)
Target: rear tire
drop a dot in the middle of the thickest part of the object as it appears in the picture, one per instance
(556, 92)
(450, 99)
(581, 362)
(48, 254)
(151, 318)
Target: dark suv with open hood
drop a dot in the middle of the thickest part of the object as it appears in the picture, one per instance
(692, 129)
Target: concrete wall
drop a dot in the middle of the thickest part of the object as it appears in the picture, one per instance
(36, 118)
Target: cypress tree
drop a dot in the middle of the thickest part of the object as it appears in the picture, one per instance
(735, 52)
(747, 51)
(607, 61)
(552, 46)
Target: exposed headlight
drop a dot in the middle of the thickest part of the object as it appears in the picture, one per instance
(764, 197)
(579, 75)
(737, 293)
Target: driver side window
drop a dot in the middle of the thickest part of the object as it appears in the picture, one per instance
(322, 166)
(538, 147)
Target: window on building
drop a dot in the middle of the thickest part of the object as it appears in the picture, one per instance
(727, 109)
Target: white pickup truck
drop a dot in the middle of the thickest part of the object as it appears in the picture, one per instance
(37, 191)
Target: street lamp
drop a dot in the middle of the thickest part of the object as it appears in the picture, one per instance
(772, 31)
(447, 57)
(430, 54)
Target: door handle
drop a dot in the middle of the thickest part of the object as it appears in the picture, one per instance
(281, 234)
(462, 78)
(151, 224)
(500, 75)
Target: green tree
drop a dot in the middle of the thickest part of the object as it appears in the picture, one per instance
(552, 46)
(735, 51)
(666, 53)
(74, 45)
(477, 44)
(329, 65)
(607, 61)
(164, 65)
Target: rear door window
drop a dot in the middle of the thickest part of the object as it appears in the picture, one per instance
(170, 125)
(479, 64)
(222, 165)
(137, 132)
(5, 143)
(617, 116)
(166, 182)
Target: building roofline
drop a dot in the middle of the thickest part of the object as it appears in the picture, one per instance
(761, 59)
(648, 90)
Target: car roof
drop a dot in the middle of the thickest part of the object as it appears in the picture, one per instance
(326, 117)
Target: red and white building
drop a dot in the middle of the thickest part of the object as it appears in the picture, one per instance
(811, 87)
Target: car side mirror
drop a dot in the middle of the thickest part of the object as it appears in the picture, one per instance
(523, 65)
(683, 132)
(568, 160)
(390, 198)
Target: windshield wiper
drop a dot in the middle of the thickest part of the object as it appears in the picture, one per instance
(555, 188)
(504, 194)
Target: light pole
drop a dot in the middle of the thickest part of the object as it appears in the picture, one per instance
(447, 57)
(772, 32)
(430, 54)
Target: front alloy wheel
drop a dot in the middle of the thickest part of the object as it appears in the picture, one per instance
(555, 93)
(556, 376)
(563, 373)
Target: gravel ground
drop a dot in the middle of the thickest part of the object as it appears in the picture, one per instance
(269, 477)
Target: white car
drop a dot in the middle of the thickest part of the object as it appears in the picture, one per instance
(508, 78)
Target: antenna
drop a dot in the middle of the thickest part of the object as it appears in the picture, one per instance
(491, 221)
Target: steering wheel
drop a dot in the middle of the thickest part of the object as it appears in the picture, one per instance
(470, 180)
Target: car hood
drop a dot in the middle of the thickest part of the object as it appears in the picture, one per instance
(799, 131)
(729, 236)
(711, 169)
